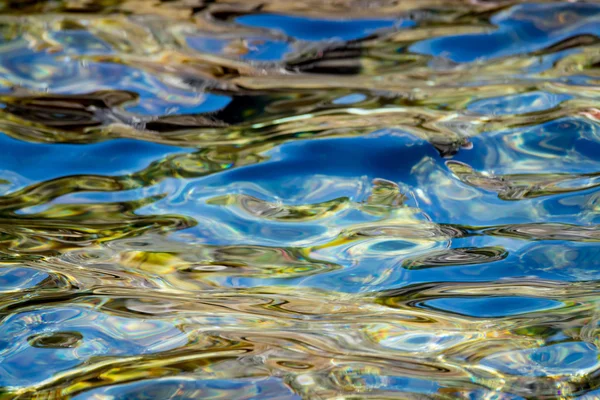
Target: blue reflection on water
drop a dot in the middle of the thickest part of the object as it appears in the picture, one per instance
(23, 363)
(518, 104)
(320, 29)
(51, 161)
(521, 29)
(18, 278)
(491, 307)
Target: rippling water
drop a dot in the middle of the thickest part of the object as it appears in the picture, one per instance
(311, 199)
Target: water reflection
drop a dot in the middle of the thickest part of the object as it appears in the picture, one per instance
(284, 200)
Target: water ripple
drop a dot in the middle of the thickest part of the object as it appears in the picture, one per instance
(283, 200)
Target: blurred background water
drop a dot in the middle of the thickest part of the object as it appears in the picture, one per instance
(299, 199)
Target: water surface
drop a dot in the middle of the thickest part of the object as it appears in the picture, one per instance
(299, 199)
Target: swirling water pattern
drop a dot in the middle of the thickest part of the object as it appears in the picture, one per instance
(299, 199)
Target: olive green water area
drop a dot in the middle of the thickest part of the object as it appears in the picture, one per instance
(299, 199)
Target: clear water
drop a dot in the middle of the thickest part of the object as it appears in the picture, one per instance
(299, 199)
